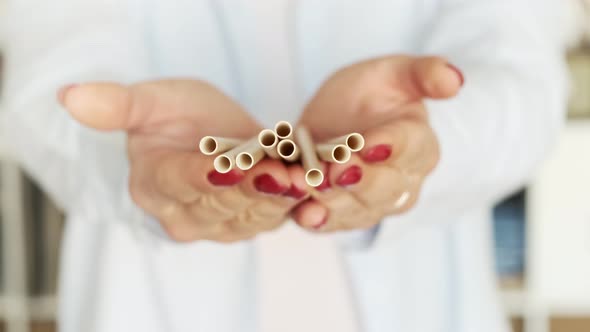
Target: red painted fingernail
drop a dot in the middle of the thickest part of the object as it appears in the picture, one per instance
(267, 184)
(458, 72)
(295, 192)
(350, 176)
(321, 224)
(325, 185)
(62, 93)
(225, 179)
(377, 153)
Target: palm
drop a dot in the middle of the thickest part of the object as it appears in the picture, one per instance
(176, 114)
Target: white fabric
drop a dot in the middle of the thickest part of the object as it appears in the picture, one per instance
(428, 270)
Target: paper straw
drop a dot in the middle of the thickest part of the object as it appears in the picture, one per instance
(210, 145)
(268, 140)
(284, 130)
(227, 161)
(311, 164)
(354, 141)
(250, 155)
(288, 150)
(334, 153)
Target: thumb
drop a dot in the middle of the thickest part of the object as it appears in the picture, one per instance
(103, 106)
(426, 77)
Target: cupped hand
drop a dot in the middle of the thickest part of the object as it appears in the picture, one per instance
(383, 99)
(169, 179)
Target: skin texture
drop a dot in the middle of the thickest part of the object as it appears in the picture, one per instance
(164, 121)
(381, 98)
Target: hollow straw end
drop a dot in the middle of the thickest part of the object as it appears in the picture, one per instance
(314, 177)
(223, 164)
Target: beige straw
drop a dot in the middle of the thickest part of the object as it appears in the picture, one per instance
(227, 161)
(210, 145)
(284, 130)
(354, 141)
(250, 155)
(268, 140)
(288, 150)
(312, 166)
(334, 153)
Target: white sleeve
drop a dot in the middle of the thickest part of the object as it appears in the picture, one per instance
(48, 44)
(509, 111)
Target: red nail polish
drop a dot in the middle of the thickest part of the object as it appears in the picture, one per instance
(458, 72)
(225, 179)
(320, 224)
(350, 176)
(325, 185)
(62, 93)
(267, 184)
(377, 153)
(295, 192)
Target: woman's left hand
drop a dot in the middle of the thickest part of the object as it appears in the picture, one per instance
(383, 99)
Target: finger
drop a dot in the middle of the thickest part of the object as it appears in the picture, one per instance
(104, 106)
(219, 207)
(368, 93)
(408, 144)
(311, 215)
(266, 185)
(180, 225)
(262, 207)
(426, 77)
(403, 201)
(261, 216)
(112, 106)
(368, 185)
(299, 189)
(269, 178)
(185, 176)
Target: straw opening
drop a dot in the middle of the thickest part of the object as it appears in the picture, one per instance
(341, 154)
(208, 145)
(355, 142)
(222, 164)
(314, 177)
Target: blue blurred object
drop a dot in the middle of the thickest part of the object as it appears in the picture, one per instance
(509, 233)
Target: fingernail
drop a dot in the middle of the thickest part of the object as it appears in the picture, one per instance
(267, 184)
(295, 192)
(325, 184)
(321, 224)
(458, 72)
(225, 179)
(377, 153)
(350, 176)
(62, 93)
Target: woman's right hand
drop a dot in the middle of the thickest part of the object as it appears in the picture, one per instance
(173, 182)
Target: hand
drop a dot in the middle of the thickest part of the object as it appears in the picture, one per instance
(381, 98)
(169, 179)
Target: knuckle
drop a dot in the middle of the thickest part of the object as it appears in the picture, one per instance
(213, 203)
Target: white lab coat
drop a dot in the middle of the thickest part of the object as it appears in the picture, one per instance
(428, 270)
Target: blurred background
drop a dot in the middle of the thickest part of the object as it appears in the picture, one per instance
(542, 233)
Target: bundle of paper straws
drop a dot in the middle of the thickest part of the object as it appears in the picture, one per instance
(282, 142)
